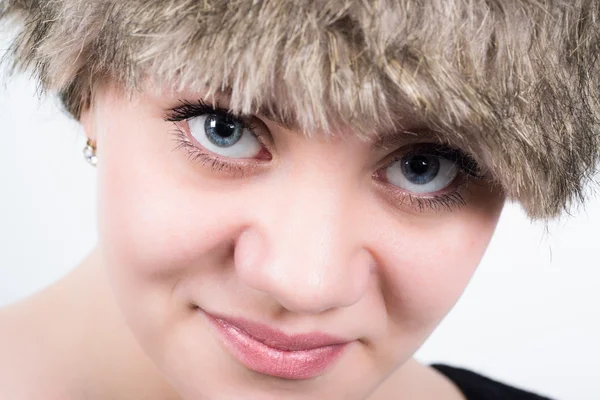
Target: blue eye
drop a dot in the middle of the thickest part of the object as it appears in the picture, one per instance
(224, 135)
(222, 130)
(420, 169)
(422, 173)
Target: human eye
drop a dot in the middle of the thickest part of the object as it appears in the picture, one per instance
(214, 136)
(430, 175)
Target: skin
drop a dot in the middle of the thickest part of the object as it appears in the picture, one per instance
(308, 240)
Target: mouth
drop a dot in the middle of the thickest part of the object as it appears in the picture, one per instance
(272, 352)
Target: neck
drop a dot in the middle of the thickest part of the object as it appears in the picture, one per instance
(108, 353)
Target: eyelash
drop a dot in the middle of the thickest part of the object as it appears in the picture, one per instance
(188, 110)
(469, 169)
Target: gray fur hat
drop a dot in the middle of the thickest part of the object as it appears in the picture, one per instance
(515, 82)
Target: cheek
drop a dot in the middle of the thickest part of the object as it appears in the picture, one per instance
(154, 224)
(433, 266)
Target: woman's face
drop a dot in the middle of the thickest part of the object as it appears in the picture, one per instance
(358, 247)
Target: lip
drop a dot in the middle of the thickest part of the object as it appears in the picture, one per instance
(273, 352)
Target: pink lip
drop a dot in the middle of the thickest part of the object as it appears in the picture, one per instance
(272, 352)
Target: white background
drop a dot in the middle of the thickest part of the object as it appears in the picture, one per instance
(530, 317)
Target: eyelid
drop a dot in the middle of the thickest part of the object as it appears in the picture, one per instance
(463, 160)
(400, 139)
(187, 110)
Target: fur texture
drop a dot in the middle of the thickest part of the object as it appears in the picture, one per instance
(516, 82)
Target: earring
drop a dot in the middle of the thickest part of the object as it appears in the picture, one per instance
(89, 152)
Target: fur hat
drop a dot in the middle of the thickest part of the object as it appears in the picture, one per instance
(515, 82)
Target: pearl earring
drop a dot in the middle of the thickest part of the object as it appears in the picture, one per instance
(89, 152)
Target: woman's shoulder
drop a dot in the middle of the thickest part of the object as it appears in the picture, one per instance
(32, 365)
(478, 387)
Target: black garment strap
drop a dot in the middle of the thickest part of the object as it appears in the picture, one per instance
(478, 387)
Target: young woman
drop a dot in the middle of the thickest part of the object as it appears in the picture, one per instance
(293, 194)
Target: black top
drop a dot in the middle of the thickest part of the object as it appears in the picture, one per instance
(478, 387)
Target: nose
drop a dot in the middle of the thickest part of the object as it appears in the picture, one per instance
(304, 248)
